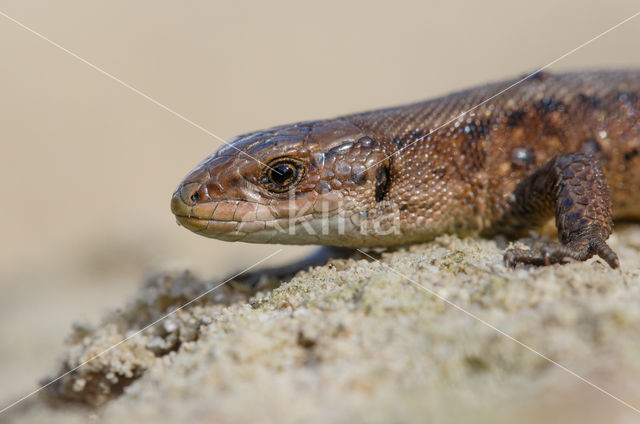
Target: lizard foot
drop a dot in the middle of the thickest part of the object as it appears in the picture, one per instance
(554, 253)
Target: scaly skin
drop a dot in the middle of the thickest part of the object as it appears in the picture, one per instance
(561, 146)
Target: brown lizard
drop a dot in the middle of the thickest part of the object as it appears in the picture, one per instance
(563, 146)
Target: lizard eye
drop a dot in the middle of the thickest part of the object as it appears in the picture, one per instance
(283, 174)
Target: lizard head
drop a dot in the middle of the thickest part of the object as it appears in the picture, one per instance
(306, 183)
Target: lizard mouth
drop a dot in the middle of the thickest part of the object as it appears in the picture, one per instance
(217, 228)
(306, 219)
(192, 223)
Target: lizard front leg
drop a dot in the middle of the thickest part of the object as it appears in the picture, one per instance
(574, 189)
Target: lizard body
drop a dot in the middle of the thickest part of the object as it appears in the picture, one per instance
(563, 146)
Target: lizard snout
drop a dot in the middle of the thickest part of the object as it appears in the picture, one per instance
(183, 201)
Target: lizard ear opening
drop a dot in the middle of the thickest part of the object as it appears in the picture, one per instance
(383, 181)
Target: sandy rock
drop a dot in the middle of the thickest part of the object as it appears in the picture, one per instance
(439, 332)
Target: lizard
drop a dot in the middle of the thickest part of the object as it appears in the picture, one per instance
(560, 146)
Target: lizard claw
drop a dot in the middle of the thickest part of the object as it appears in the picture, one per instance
(554, 253)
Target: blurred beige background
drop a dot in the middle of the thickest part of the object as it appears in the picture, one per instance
(87, 166)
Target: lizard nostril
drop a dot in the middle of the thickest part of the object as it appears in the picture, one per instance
(192, 193)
